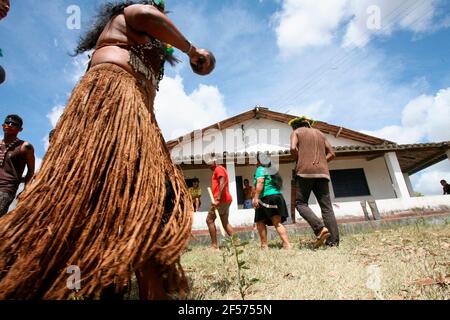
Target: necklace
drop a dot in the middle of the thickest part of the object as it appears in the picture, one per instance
(4, 151)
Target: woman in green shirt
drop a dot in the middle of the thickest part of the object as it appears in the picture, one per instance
(270, 206)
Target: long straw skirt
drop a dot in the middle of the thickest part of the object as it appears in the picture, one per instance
(97, 205)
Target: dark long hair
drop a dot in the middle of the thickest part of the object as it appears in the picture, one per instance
(265, 162)
(105, 14)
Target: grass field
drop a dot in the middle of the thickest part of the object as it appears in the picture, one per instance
(406, 263)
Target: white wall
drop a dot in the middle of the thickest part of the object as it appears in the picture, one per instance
(390, 206)
(376, 172)
(386, 207)
(377, 175)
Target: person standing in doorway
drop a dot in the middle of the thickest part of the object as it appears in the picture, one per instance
(196, 194)
(249, 192)
(312, 152)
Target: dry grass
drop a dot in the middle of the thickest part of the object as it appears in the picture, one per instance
(409, 262)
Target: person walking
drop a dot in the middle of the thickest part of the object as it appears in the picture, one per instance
(312, 152)
(222, 202)
(268, 201)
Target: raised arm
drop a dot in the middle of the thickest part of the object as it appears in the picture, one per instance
(150, 20)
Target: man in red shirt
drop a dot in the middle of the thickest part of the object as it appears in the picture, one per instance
(222, 203)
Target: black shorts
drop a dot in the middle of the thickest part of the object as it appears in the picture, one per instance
(265, 214)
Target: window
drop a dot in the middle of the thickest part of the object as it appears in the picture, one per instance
(349, 183)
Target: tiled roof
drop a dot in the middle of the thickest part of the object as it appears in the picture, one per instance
(338, 150)
(265, 113)
(412, 157)
(394, 147)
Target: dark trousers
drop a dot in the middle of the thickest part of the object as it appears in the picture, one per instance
(5, 201)
(321, 190)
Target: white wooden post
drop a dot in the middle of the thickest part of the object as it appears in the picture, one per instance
(409, 185)
(232, 185)
(398, 180)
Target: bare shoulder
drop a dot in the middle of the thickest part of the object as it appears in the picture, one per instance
(136, 11)
(27, 147)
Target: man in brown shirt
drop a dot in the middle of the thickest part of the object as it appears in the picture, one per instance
(312, 152)
(15, 155)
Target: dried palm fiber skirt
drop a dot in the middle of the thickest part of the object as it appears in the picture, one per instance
(98, 201)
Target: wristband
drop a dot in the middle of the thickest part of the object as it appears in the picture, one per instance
(190, 48)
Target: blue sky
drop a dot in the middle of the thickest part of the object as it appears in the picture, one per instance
(317, 58)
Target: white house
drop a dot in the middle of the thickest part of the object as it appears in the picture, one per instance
(366, 168)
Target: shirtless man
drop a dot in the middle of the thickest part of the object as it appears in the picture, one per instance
(15, 155)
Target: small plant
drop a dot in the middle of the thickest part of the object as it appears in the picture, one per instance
(75, 296)
(421, 222)
(234, 248)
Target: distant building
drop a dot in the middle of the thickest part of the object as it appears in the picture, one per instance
(366, 169)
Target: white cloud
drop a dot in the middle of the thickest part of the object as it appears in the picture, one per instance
(318, 110)
(304, 23)
(78, 67)
(38, 164)
(392, 15)
(179, 113)
(53, 117)
(55, 114)
(424, 119)
(427, 181)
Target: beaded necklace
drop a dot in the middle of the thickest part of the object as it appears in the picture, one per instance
(8, 147)
(140, 59)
